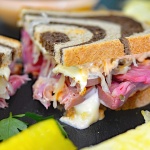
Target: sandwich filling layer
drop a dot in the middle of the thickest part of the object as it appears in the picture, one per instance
(9, 87)
(10, 82)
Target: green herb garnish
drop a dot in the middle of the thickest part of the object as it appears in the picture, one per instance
(36, 117)
(19, 116)
(10, 126)
(62, 130)
(39, 118)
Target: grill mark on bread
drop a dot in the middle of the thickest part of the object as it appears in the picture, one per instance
(126, 45)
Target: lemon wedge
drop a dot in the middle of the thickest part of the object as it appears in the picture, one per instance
(134, 139)
(44, 135)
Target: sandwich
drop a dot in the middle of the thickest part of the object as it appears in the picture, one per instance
(10, 52)
(86, 60)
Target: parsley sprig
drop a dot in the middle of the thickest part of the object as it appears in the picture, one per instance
(10, 126)
(13, 125)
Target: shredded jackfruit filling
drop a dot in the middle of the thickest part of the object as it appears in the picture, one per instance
(103, 70)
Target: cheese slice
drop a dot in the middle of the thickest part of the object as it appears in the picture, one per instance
(79, 75)
(86, 113)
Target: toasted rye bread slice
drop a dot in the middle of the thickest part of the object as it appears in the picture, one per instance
(79, 33)
(10, 49)
(103, 49)
(114, 45)
(137, 44)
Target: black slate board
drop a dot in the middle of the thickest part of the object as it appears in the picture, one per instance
(114, 123)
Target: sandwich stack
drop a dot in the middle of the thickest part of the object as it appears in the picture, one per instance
(84, 60)
(10, 51)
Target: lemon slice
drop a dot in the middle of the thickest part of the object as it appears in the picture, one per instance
(135, 139)
(44, 135)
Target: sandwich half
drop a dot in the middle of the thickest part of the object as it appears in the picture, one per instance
(87, 59)
(10, 52)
